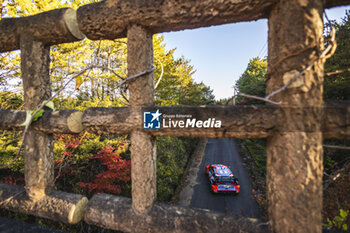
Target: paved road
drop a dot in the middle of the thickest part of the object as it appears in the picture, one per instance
(224, 151)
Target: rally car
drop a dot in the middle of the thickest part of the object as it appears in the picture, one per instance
(222, 179)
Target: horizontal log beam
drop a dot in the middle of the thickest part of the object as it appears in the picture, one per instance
(116, 213)
(58, 206)
(63, 121)
(110, 19)
(237, 121)
(334, 3)
(50, 27)
(242, 121)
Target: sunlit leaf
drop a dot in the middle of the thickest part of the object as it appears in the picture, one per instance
(345, 227)
(51, 105)
(343, 213)
(38, 114)
(78, 82)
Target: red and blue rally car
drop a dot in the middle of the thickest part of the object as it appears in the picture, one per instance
(222, 179)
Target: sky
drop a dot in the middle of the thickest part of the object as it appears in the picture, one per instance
(220, 54)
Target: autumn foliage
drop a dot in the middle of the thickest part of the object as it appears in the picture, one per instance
(118, 170)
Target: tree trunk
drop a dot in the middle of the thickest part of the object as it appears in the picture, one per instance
(38, 147)
(143, 149)
(294, 162)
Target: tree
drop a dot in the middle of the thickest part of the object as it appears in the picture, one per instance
(177, 86)
(252, 81)
(336, 86)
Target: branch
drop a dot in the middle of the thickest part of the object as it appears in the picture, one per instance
(39, 108)
(336, 147)
(60, 90)
(258, 98)
(161, 74)
(137, 75)
(324, 54)
(337, 72)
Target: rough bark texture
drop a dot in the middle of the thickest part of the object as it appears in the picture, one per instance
(116, 213)
(38, 147)
(58, 206)
(143, 149)
(237, 121)
(111, 120)
(333, 3)
(62, 121)
(51, 27)
(110, 19)
(294, 162)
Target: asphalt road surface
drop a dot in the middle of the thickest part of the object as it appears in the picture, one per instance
(224, 151)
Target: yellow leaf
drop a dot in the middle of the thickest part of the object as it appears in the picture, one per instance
(78, 82)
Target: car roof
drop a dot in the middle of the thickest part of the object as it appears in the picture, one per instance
(222, 170)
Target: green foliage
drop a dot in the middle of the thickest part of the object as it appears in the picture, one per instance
(338, 222)
(10, 100)
(172, 157)
(257, 149)
(252, 81)
(336, 87)
(97, 88)
(177, 86)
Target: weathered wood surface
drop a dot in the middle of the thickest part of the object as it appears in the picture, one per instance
(238, 121)
(141, 92)
(109, 19)
(61, 122)
(37, 146)
(51, 27)
(334, 3)
(294, 159)
(115, 212)
(58, 206)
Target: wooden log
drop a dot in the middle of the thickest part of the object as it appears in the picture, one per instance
(56, 205)
(110, 19)
(141, 92)
(115, 213)
(111, 120)
(38, 147)
(61, 122)
(294, 159)
(335, 3)
(237, 121)
(50, 28)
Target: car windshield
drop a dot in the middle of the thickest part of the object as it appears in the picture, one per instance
(225, 179)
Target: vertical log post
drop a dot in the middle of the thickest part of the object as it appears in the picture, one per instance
(38, 147)
(294, 162)
(143, 149)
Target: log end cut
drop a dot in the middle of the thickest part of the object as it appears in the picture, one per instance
(70, 19)
(77, 213)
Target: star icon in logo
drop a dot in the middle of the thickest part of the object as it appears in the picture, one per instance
(156, 115)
